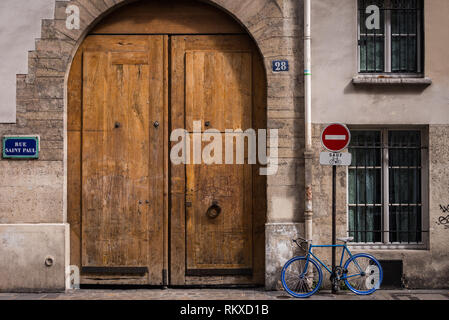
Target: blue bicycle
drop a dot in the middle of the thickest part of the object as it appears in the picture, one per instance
(302, 275)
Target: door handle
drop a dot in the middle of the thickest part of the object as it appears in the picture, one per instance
(156, 124)
(214, 210)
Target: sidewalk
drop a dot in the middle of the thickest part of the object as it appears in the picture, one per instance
(222, 294)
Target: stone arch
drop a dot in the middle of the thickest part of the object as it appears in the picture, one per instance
(275, 27)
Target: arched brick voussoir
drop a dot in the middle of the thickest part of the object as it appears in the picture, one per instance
(257, 16)
(247, 11)
(264, 19)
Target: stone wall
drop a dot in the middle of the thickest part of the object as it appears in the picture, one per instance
(33, 192)
(423, 268)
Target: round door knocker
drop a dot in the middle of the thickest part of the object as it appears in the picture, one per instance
(214, 211)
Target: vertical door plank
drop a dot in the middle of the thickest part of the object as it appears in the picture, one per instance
(157, 105)
(259, 182)
(166, 150)
(74, 195)
(74, 123)
(177, 172)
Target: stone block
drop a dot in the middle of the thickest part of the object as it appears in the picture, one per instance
(32, 192)
(279, 249)
(33, 257)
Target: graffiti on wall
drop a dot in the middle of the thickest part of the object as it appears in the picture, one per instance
(443, 220)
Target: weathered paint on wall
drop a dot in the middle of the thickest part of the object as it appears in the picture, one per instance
(334, 59)
(20, 24)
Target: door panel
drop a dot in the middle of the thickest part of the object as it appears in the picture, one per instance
(122, 159)
(218, 89)
(213, 81)
(219, 219)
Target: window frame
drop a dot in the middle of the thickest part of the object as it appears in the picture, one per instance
(388, 47)
(424, 244)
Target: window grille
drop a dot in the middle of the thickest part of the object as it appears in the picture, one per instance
(385, 186)
(397, 45)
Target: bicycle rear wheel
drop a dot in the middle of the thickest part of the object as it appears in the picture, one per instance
(300, 278)
(364, 274)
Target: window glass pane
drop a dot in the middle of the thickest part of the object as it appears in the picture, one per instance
(364, 147)
(405, 31)
(403, 51)
(374, 215)
(405, 224)
(372, 54)
(404, 165)
(404, 148)
(365, 186)
(404, 186)
(365, 224)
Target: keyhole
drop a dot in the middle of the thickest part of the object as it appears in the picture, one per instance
(117, 125)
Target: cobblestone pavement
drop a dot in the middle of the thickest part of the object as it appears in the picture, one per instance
(222, 294)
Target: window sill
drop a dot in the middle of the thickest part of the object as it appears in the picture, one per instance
(386, 247)
(391, 80)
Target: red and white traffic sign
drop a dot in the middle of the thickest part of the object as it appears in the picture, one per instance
(335, 137)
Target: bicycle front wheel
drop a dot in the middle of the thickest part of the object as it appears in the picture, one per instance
(363, 274)
(300, 278)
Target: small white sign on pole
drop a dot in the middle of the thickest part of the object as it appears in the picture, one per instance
(335, 158)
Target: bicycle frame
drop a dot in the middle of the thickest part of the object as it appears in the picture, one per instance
(345, 248)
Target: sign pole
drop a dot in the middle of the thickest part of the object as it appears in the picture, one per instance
(334, 214)
(335, 138)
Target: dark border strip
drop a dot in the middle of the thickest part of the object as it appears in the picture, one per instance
(115, 270)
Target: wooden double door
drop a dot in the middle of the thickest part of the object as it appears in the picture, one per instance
(136, 217)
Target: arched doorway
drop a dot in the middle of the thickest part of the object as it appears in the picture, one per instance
(136, 218)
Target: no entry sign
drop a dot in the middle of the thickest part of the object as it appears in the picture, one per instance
(335, 137)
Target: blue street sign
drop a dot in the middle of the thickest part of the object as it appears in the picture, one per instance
(21, 147)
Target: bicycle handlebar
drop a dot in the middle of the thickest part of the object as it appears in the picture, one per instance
(302, 239)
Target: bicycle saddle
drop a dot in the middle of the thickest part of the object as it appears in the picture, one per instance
(345, 239)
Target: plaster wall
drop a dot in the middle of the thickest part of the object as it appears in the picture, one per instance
(20, 24)
(334, 65)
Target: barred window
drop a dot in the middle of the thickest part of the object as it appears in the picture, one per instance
(391, 36)
(385, 186)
